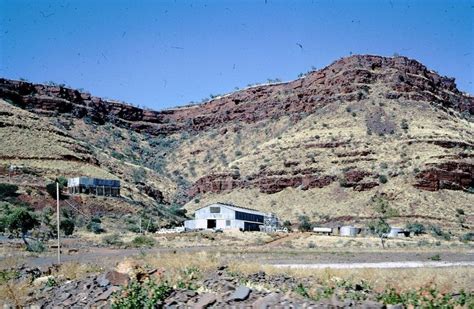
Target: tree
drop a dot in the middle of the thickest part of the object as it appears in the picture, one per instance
(304, 224)
(7, 190)
(287, 225)
(380, 227)
(67, 225)
(21, 220)
(416, 228)
(51, 189)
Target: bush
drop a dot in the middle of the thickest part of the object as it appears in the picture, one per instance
(404, 124)
(95, 227)
(467, 237)
(7, 190)
(36, 246)
(416, 228)
(304, 224)
(67, 225)
(112, 240)
(144, 295)
(21, 219)
(143, 241)
(437, 232)
(51, 189)
(383, 179)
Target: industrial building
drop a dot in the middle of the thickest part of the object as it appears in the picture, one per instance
(95, 186)
(226, 216)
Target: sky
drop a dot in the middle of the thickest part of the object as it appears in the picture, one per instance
(161, 54)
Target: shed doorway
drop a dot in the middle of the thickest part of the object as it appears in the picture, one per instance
(211, 224)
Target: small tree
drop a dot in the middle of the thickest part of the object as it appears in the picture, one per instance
(21, 220)
(7, 190)
(67, 225)
(416, 228)
(51, 189)
(304, 224)
(380, 227)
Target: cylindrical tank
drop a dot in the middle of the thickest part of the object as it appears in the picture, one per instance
(349, 231)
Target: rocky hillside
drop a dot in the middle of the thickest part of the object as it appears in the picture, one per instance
(321, 145)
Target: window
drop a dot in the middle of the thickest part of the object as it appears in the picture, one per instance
(215, 210)
(227, 222)
(248, 217)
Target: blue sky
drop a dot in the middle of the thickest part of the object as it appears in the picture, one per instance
(161, 54)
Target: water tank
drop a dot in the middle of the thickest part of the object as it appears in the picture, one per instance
(349, 231)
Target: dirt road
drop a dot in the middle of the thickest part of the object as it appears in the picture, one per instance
(408, 264)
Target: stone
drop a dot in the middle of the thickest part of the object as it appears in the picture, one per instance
(69, 302)
(102, 281)
(241, 293)
(117, 278)
(371, 305)
(105, 295)
(205, 300)
(396, 306)
(42, 280)
(62, 297)
(267, 301)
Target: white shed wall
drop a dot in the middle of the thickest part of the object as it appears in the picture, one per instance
(205, 213)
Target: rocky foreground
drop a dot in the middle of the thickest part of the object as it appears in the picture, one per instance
(136, 287)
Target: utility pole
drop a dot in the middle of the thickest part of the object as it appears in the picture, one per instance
(57, 221)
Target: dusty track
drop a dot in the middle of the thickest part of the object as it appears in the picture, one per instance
(409, 264)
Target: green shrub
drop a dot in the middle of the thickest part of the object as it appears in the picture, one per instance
(438, 232)
(145, 295)
(7, 190)
(304, 224)
(112, 240)
(96, 220)
(51, 282)
(404, 124)
(467, 237)
(67, 225)
(383, 179)
(143, 241)
(95, 227)
(36, 246)
(51, 189)
(416, 228)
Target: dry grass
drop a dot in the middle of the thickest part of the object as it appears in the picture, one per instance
(15, 293)
(445, 279)
(75, 270)
(174, 268)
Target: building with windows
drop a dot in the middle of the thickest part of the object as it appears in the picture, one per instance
(226, 216)
(95, 186)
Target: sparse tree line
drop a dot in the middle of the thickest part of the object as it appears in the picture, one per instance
(381, 228)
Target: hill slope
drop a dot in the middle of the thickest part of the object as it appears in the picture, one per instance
(322, 145)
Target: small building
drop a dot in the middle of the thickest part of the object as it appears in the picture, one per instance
(349, 231)
(226, 216)
(398, 232)
(95, 186)
(322, 230)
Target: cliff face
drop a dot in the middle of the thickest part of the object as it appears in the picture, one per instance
(346, 80)
(364, 124)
